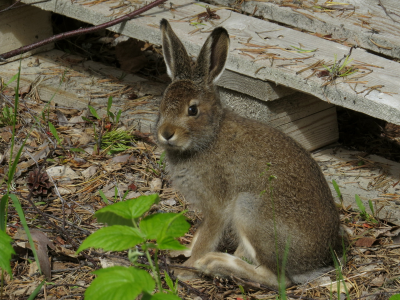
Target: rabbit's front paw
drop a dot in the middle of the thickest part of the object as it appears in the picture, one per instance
(185, 275)
(215, 263)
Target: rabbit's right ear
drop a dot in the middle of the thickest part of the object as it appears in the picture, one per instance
(176, 58)
(212, 58)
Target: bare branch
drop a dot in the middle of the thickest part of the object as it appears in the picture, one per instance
(81, 31)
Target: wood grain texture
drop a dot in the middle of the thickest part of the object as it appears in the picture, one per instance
(262, 90)
(23, 26)
(367, 26)
(362, 95)
(307, 119)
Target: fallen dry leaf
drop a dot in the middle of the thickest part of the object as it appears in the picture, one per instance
(365, 242)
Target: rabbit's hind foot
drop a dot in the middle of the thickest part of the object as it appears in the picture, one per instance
(226, 265)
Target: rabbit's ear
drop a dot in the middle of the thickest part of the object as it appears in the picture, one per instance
(176, 58)
(211, 61)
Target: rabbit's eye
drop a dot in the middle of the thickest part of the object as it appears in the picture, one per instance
(192, 111)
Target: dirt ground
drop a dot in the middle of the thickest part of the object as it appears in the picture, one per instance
(60, 210)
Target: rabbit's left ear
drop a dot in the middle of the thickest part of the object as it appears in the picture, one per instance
(176, 58)
(212, 58)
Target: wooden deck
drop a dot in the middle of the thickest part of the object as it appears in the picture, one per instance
(364, 23)
(265, 51)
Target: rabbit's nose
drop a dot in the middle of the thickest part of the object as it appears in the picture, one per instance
(167, 134)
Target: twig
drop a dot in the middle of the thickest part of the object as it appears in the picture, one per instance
(81, 31)
(388, 14)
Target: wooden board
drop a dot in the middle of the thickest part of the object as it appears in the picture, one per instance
(23, 26)
(71, 82)
(367, 25)
(377, 93)
(376, 181)
(262, 90)
(310, 121)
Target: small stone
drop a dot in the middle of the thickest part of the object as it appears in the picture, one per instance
(89, 172)
(155, 185)
(169, 202)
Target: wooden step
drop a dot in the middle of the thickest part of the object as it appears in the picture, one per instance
(364, 23)
(70, 81)
(23, 26)
(373, 90)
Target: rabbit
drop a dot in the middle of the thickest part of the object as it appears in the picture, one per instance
(247, 178)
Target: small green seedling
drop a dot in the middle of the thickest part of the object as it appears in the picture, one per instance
(129, 229)
(363, 213)
(161, 161)
(115, 141)
(340, 68)
(6, 116)
(113, 118)
(53, 131)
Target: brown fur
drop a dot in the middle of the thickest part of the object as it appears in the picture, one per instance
(224, 164)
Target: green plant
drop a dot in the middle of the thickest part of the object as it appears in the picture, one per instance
(395, 297)
(339, 194)
(130, 230)
(5, 248)
(116, 141)
(6, 116)
(243, 292)
(340, 68)
(363, 213)
(339, 277)
(113, 118)
(161, 161)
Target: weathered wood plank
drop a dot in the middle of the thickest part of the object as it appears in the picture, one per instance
(262, 90)
(376, 94)
(88, 82)
(378, 183)
(23, 26)
(366, 26)
(72, 82)
(309, 120)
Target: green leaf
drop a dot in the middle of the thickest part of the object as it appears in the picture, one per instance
(111, 218)
(129, 209)
(77, 150)
(360, 204)
(36, 291)
(11, 80)
(21, 215)
(87, 120)
(160, 296)
(3, 212)
(118, 116)
(54, 132)
(5, 252)
(161, 226)
(120, 283)
(395, 297)
(169, 243)
(105, 199)
(371, 207)
(109, 103)
(113, 238)
(93, 112)
(336, 186)
(169, 281)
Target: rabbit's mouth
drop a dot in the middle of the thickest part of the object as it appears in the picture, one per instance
(172, 140)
